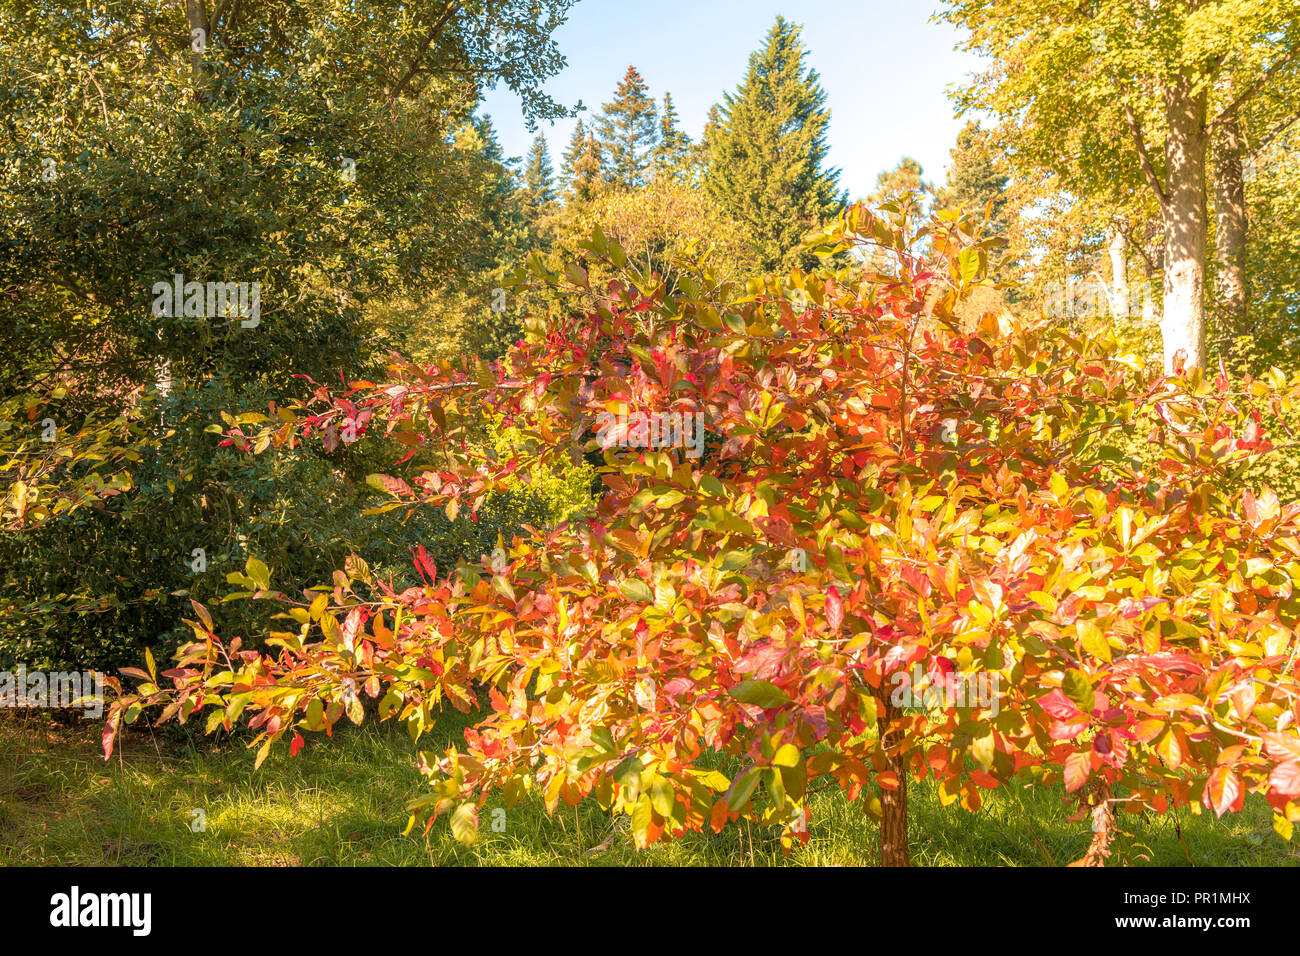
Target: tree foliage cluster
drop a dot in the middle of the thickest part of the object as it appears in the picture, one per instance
(892, 497)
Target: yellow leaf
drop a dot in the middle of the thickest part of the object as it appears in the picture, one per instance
(1093, 640)
(1282, 826)
(464, 824)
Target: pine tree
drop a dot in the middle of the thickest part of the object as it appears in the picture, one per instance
(672, 156)
(975, 178)
(699, 152)
(893, 184)
(536, 196)
(582, 171)
(628, 132)
(767, 150)
(539, 179)
(907, 179)
(577, 142)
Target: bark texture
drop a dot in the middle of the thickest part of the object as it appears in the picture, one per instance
(893, 803)
(1230, 223)
(1185, 220)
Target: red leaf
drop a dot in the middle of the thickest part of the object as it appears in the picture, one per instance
(1068, 729)
(1223, 791)
(296, 745)
(1077, 768)
(1059, 706)
(110, 732)
(834, 608)
(424, 564)
(679, 685)
(1281, 746)
(540, 383)
(1285, 779)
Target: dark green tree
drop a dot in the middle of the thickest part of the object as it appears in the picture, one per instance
(627, 133)
(767, 150)
(537, 196)
(301, 162)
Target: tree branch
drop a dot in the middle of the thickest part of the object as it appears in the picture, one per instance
(1232, 108)
(218, 14)
(1133, 243)
(1278, 130)
(439, 25)
(1148, 169)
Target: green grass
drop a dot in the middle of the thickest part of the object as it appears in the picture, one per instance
(343, 802)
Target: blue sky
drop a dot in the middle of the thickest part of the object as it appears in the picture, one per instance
(885, 67)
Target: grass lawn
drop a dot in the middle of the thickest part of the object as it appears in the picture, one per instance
(343, 802)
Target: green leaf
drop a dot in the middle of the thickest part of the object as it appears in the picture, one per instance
(1077, 687)
(641, 819)
(735, 560)
(634, 589)
(603, 739)
(661, 796)
(260, 574)
(760, 693)
(968, 261)
(464, 824)
(742, 787)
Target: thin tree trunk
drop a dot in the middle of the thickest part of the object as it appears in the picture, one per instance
(893, 803)
(1231, 224)
(1185, 219)
(196, 16)
(1150, 315)
(1118, 291)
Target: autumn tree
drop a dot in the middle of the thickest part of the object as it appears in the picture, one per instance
(1240, 147)
(766, 150)
(666, 230)
(905, 549)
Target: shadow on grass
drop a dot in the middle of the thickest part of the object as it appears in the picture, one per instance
(342, 802)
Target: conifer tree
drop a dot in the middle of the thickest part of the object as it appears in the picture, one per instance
(582, 171)
(975, 177)
(539, 180)
(576, 144)
(501, 214)
(672, 155)
(907, 177)
(628, 132)
(767, 150)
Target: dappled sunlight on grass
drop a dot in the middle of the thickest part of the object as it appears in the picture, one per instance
(342, 802)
